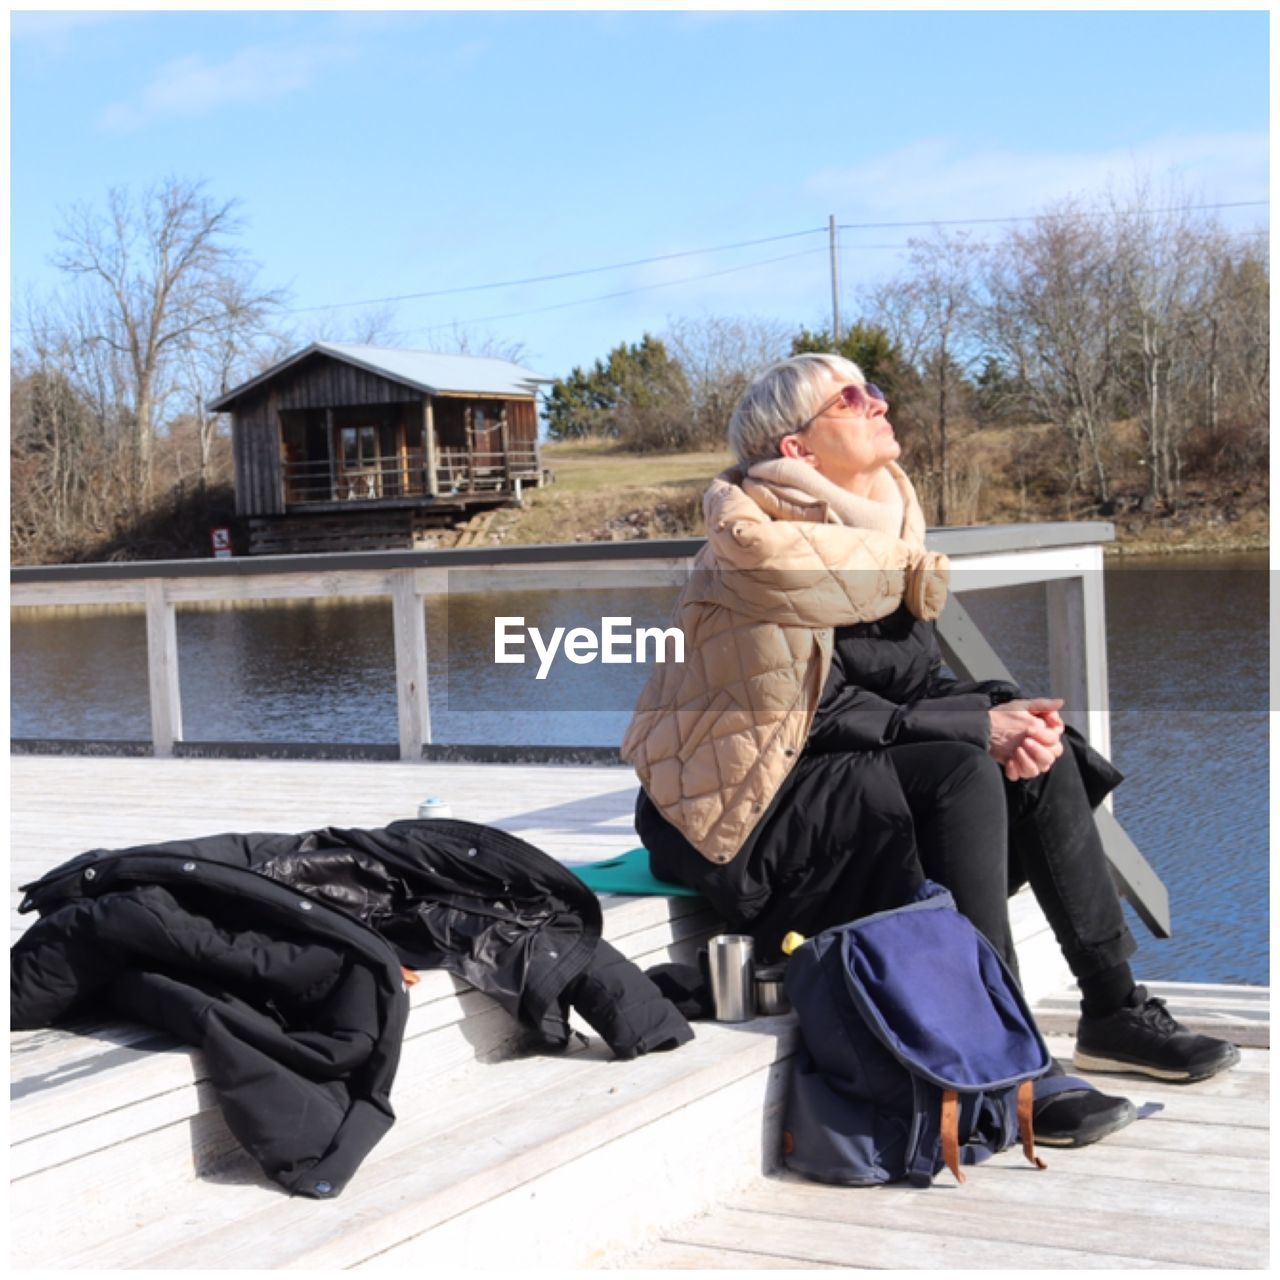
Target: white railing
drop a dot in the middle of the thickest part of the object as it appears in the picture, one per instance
(1065, 558)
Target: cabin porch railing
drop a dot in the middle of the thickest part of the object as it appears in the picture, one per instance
(1065, 558)
(458, 470)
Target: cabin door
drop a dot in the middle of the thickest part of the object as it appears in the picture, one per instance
(486, 441)
(304, 456)
(360, 462)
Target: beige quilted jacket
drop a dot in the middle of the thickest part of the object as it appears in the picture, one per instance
(712, 738)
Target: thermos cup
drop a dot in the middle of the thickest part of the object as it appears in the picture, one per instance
(729, 963)
(770, 997)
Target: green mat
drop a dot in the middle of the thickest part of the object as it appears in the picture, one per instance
(629, 874)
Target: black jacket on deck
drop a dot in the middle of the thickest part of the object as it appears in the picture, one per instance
(280, 957)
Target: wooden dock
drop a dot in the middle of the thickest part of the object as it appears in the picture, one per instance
(1187, 1187)
(504, 1158)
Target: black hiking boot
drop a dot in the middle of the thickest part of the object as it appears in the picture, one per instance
(1144, 1037)
(1072, 1113)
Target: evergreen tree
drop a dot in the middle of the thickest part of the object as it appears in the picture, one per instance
(999, 396)
(574, 406)
(870, 348)
(639, 393)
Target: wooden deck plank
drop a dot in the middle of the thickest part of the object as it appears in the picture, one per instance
(1117, 1162)
(807, 1240)
(1005, 1217)
(535, 1113)
(100, 1117)
(1188, 1136)
(669, 1255)
(950, 1211)
(1186, 1187)
(1007, 1180)
(242, 1190)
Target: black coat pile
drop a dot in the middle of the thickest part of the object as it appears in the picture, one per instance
(280, 957)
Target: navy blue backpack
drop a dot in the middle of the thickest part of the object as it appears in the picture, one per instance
(918, 1049)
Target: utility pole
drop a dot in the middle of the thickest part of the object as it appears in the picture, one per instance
(835, 281)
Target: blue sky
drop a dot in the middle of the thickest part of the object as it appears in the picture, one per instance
(392, 153)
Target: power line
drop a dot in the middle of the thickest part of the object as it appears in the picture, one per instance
(1039, 217)
(559, 275)
(688, 253)
(1238, 235)
(621, 293)
(722, 248)
(666, 284)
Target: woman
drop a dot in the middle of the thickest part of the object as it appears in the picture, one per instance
(811, 761)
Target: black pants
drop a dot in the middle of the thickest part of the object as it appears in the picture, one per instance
(849, 834)
(983, 837)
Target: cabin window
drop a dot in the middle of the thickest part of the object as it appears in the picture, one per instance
(360, 446)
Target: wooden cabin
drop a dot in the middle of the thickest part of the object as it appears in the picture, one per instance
(344, 447)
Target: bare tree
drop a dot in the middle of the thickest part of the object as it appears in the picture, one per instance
(1225, 374)
(69, 457)
(155, 273)
(929, 314)
(481, 342)
(1242, 300)
(374, 326)
(1164, 274)
(719, 356)
(212, 359)
(1052, 316)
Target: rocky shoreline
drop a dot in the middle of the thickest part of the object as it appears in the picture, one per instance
(1191, 546)
(1199, 532)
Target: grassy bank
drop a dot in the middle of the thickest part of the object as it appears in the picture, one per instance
(604, 494)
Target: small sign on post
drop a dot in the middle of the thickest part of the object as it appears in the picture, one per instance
(221, 539)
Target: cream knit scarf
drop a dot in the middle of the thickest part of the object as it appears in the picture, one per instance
(788, 489)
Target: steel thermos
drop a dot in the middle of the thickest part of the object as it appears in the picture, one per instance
(729, 962)
(770, 997)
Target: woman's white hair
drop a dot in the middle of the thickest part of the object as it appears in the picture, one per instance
(780, 400)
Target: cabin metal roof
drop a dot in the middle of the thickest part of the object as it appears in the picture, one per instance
(431, 372)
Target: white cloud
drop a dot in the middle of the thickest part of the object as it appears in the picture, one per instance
(194, 86)
(941, 179)
(41, 37)
(53, 26)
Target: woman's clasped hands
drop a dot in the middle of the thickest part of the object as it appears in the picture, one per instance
(1026, 736)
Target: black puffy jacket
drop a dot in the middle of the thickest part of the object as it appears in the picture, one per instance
(888, 685)
(280, 957)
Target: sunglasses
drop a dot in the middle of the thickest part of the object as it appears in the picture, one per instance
(857, 398)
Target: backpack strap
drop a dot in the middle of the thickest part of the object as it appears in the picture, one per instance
(921, 1157)
(949, 1126)
(1026, 1098)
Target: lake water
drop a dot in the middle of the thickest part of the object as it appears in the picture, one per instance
(1188, 666)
